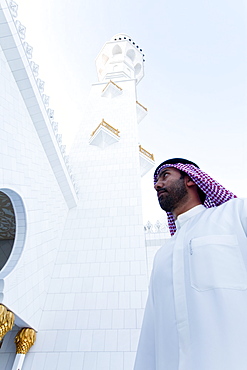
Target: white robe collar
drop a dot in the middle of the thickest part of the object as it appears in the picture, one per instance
(184, 217)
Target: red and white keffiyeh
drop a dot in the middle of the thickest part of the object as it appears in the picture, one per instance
(215, 193)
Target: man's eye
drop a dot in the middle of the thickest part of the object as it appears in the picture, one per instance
(162, 175)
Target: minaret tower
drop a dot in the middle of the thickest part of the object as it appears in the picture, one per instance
(99, 284)
(120, 59)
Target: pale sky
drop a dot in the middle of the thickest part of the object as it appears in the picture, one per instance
(195, 75)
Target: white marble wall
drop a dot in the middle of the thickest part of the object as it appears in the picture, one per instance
(24, 169)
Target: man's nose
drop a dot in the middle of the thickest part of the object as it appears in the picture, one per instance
(158, 185)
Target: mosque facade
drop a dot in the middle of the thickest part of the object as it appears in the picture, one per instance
(74, 255)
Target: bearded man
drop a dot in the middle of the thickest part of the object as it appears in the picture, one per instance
(196, 312)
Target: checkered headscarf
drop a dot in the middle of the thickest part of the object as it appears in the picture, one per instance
(215, 193)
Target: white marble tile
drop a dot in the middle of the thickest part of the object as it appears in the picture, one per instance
(59, 319)
(103, 362)
(117, 361)
(98, 340)
(129, 360)
(94, 319)
(105, 319)
(64, 360)
(90, 360)
(74, 338)
(86, 340)
(118, 319)
(130, 319)
(124, 340)
(51, 360)
(49, 340)
(76, 361)
(38, 362)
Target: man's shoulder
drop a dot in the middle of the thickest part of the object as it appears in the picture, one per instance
(235, 203)
(233, 207)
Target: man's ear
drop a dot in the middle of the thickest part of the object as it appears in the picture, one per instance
(189, 182)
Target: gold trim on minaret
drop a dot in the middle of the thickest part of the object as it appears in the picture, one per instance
(24, 340)
(7, 319)
(106, 125)
(113, 84)
(141, 105)
(146, 153)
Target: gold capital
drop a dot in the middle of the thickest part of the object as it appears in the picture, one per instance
(24, 340)
(6, 321)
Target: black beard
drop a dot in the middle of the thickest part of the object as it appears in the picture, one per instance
(173, 196)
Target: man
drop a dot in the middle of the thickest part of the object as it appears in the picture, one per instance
(196, 312)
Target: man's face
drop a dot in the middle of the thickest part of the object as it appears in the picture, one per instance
(171, 189)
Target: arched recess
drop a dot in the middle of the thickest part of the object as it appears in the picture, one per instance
(131, 54)
(137, 69)
(116, 50)
(12, 230)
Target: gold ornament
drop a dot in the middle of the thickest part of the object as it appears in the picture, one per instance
(6, 321)
(24, 340)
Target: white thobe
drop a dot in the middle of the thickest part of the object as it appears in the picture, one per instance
(196, 312)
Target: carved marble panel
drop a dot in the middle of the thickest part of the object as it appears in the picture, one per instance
(7, 218)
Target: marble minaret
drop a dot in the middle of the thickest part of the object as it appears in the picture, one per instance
(98, 289)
